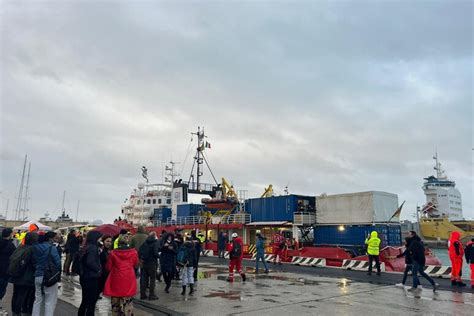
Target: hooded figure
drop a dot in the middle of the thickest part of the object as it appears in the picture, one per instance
(373, 251)
(456, 253)
(168, 259)
(90, 271)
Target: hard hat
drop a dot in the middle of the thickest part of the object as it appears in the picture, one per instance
(234, 235)
(258, 232)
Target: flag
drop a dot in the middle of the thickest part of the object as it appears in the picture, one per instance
(208, 145)
(397, 212)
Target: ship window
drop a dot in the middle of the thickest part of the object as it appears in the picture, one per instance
(159, 201)
(168, 201)
(154, 201)
(148, 201)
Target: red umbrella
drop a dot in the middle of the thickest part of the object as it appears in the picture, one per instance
(108, 229)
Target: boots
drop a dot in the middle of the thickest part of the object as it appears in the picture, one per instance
(183, 292)
(191, 289)
(461, 284)
(244, 277)
(454, 282)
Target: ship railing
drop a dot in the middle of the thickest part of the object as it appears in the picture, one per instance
(304, 218)
(237, 218)
(186, 220)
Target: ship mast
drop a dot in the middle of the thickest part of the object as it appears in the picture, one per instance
(437, 167)
(199, 160)
(63, 211)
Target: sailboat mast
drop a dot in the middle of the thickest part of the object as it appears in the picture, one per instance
(77, 209)
(25, 205)
(20, 193)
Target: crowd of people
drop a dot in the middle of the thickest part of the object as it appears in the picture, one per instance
(110, 265)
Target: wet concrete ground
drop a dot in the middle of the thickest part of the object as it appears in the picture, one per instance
(286, 290)
(285, 293)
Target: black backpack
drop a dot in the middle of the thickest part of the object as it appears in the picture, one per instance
(52, 274)
(236, 250)
(19, 261)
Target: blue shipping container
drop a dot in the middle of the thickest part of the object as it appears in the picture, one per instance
(161, 214)
(186, 210)
(279, 208)
(390, 235)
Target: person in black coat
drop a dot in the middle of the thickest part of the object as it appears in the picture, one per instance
(91, 270)
(105, 249)
(24, 284)
(6, 250)
(71, 249)
(188, 266)
(417, 253)
(168, 259)
(406, 254)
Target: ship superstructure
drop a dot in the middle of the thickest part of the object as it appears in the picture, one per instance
(443, 199)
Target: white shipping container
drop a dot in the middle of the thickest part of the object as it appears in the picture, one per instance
(355, 208)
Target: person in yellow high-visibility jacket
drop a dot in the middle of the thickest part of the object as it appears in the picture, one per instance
(373, 250)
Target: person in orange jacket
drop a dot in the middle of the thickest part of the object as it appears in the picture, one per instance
(456, 254)
(469, 253)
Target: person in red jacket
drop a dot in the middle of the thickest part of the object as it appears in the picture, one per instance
(121, 284)
(456, 254)
(469, 252)
(235, 254)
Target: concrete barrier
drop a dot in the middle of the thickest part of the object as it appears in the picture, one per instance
(207, 253)
(360, 265)
(438, 271)
(309, 262)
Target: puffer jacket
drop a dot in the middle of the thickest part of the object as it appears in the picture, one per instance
(90, 257)
(40, 256)
(6, 249)
(121, 281)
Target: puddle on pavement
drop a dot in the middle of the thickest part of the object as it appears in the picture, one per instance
(230, 295)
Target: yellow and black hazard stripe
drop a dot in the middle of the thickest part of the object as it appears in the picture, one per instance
(252, 248)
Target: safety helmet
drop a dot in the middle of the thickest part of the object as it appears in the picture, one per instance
(234, 235)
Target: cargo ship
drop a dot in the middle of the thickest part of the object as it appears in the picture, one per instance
(333, 227)
(443, 211)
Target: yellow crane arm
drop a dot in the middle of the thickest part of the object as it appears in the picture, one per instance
(268, 191)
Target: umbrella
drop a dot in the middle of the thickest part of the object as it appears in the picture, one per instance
(108, 229)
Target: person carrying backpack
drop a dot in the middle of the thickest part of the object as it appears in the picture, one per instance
(6, 250)
(47, 275)
(21, 270)
(90, 271)
(187, 260)
(149, 253)
(235, 255)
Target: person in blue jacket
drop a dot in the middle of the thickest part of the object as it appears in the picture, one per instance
(260, 245)
(47, 296)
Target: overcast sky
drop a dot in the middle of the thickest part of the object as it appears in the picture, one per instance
(328, 97)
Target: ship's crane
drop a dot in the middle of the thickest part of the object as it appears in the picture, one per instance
(268, 192)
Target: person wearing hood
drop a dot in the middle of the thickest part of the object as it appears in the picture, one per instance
(22, 275)
(121, 284)
(260, 255)
(235, 254)
(456, 254)
(469, 253)
(149, 253)
(373, 251)
(417, 254)
(408, 260)
(168, 259)
(6, 250)
(90, 271)
(188, 262)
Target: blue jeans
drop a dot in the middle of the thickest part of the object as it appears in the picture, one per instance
(3, 286)
(418, 268)
(260, 256)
